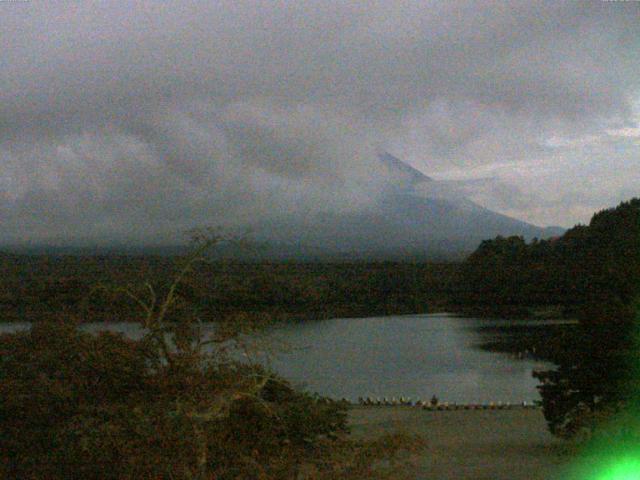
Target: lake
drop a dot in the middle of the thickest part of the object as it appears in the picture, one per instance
(413, 356)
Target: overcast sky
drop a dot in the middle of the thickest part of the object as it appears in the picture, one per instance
(130, 120)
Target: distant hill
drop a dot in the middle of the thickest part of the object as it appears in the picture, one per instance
(93, 250)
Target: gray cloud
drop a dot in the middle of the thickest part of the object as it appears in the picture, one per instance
(129, 121)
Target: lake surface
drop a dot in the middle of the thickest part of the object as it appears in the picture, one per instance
(413, 356)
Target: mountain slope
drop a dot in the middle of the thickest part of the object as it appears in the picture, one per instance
(408, 220)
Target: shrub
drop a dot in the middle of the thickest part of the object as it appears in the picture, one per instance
(171, 405)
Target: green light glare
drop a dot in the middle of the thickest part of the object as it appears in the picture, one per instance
(609, 462)
(623, 469)
(613, 453)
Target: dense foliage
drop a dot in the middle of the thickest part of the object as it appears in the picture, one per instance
(40, 286)
(170, 405)
(76, 405)
(508, 276)
(593, 273)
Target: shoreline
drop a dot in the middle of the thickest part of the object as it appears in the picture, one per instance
(442, 406)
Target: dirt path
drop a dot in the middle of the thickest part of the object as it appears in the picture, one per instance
(473, 445)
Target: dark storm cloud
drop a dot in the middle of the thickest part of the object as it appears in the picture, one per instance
(131, 120)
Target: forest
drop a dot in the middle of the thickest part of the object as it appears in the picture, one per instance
(590, 264)
(590, 274)
(38, 286)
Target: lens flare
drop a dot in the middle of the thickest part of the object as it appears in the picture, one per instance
(624, 469)
(613, 451)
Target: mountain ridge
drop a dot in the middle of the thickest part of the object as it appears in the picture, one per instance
(404, 223)
(415, 216)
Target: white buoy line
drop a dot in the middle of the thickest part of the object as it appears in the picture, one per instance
(435, 405)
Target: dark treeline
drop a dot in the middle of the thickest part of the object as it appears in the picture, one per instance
(39, 286)
(589, 264)
(592, 273)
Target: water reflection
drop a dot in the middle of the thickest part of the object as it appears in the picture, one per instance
(412, 356)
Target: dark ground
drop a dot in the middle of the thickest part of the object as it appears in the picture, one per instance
(472, 445)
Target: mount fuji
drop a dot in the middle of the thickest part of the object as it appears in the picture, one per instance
(415, 216)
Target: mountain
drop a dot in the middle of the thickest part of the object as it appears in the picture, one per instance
(409, 175)
(416, 216)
